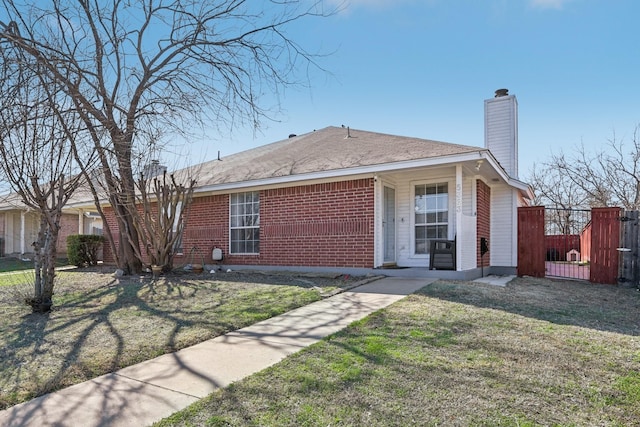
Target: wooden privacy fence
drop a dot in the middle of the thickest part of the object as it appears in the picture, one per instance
(604, 243)
(531, 242)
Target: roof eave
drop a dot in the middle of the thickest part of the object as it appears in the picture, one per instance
(345, 172)
(524, 188)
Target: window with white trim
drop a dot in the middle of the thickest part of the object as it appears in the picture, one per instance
(177, 245)
(244, 221)
(431, 214)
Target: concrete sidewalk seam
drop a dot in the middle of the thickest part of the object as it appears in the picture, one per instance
(156, 386)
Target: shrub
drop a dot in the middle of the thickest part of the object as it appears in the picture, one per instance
(82, 249)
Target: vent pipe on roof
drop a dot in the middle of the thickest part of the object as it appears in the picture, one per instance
(292, 135)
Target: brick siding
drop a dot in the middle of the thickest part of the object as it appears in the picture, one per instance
(68, 226)
(110, 220)
(483, 226)
(328, 225)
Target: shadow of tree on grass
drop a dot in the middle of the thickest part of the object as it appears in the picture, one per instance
(100, 324)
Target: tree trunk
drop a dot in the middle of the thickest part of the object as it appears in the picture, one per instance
(129, 242)
(45, 252)
(129, 262)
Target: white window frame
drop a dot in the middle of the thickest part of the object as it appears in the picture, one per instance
(254, 221)
(450, 215)
(177, 246)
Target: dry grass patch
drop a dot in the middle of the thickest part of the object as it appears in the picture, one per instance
(537, 352)
(100, 324)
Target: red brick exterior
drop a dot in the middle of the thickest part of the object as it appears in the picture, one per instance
(68, 226)
(328, 225)
(110, 221)
(483, 227)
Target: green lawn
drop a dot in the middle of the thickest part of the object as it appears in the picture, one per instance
(12, 264)
(100, 323)
(14, 271)
(536, 353)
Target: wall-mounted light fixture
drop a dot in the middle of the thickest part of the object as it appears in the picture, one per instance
(479, 165)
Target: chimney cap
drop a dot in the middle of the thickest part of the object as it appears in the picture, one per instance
(502, 92)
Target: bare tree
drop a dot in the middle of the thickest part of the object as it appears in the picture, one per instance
(609, 176)
(165, 203)
(142, 68)
(560, 195)
(36, 133)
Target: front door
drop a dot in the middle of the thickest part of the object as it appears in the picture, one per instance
(389, 225)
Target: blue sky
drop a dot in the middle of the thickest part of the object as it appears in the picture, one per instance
(424, 67)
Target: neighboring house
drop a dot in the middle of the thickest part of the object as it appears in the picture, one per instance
(340, 199)
(19, 225)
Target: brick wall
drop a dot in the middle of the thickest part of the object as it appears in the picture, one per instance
(329, 225)
(483, 205)
(68, 226)
(110, 220)
(207, 227)
(319, 225)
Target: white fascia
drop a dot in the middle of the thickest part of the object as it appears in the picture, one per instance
(512, 182)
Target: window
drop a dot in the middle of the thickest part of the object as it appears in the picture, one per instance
(245, 223)
(177, 245)
(431, 214)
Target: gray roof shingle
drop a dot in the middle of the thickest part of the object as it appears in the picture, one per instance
(323, 150)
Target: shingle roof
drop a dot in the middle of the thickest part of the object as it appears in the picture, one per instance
(323, 150)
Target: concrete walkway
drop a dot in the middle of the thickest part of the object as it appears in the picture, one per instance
(142, 394)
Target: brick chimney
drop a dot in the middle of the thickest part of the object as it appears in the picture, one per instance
(501, 130)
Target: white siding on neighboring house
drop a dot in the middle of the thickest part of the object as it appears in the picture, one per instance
(503, 238)
(16, 233)
(21, 230)
(9, 233)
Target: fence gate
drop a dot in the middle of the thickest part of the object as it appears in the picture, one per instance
(567, 243)
(572, 243)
